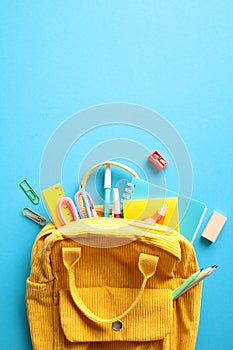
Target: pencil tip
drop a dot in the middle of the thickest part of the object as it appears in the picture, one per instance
(214, 267)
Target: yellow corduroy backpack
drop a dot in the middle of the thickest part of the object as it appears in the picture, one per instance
(102, 283)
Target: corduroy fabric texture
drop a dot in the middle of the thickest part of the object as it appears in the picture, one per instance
(74, 284)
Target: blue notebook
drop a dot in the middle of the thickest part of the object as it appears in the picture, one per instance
(191, 212)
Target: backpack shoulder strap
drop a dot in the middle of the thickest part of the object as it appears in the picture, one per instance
(45, 232)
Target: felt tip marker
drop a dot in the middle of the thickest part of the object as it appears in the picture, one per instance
(107, 191)
(158, 217)
(116, 207)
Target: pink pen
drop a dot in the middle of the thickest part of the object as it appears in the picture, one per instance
(116, 207)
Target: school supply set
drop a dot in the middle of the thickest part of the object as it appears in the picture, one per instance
(190, 212)
(109, 282)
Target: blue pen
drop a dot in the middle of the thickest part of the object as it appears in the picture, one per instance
(86, 203)
(107, 191)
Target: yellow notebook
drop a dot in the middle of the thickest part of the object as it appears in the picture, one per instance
(141, 209)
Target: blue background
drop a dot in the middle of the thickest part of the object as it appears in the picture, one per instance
(57, 58)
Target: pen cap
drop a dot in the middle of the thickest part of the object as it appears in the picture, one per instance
(116, 201)
(107, 177)
(162, 211)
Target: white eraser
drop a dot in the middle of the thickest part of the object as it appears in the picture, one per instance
(214, 226)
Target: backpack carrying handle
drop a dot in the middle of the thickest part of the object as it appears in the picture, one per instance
(119, 165)
(147, 265)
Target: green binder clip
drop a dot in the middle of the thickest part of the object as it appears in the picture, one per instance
(30, 192)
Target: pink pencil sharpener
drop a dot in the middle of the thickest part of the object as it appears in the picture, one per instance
(158, 160)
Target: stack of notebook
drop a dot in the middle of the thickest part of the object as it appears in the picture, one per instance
(141, 199)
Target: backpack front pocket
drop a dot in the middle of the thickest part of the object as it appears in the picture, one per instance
(149, 321)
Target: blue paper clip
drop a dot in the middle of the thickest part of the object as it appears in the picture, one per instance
(30, 192)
